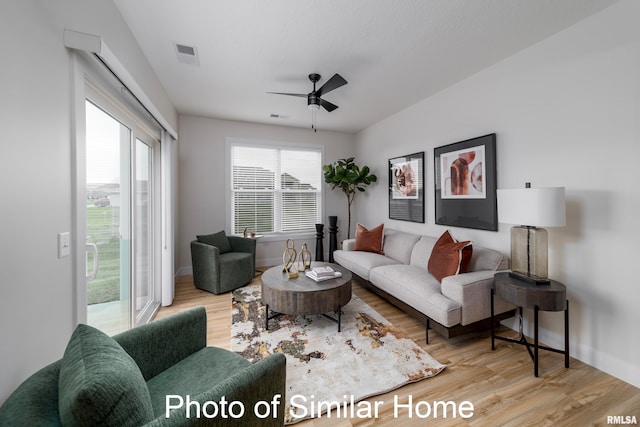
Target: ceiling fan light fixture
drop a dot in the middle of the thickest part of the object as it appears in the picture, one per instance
(314, 98)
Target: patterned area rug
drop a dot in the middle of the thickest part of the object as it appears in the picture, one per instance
(369, 357)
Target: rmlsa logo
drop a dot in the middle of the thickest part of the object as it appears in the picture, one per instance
(622, 419)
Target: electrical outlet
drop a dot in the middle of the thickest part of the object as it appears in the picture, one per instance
(64, 245)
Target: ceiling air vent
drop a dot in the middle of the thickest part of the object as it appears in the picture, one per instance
(187, 54)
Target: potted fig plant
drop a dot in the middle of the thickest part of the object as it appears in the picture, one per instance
(350, 178)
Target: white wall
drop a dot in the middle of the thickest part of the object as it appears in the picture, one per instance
(36, 303)
(202, 179)
(567, 113)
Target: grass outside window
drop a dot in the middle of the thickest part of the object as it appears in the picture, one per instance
(103, 231)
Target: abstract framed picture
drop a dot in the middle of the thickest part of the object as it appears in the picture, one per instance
(465, 183)
(406, 187)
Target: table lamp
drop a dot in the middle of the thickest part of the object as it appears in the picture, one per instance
(531, 208)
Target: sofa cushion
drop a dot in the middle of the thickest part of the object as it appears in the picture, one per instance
(100, 384)
(487, 259)
(422, 251)
(369, 240)
(219, 240)
(360, 262)
(449, 257)
(399, 245)
(194, 375)
(419, 289)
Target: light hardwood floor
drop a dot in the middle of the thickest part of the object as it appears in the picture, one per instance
(500, 384)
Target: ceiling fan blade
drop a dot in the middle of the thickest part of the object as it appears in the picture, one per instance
(327, 105)
(301, 95)
(333, 83)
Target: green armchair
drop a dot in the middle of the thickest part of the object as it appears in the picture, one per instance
(222, 263)
(125, 380)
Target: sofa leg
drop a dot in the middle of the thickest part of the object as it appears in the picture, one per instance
(426, 333)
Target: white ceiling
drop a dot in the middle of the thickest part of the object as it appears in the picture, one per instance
(393, 53)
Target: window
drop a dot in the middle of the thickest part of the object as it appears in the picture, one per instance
(275, 188)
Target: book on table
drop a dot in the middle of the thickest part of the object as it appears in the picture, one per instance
(312, 275)
(323, 271)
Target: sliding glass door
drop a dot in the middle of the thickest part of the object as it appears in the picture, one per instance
(122, 256)
(144, 228)
(108, 213)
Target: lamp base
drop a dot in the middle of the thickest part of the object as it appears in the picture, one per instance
(529, 252)
(529, 278)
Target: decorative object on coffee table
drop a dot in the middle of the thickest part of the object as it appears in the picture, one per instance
(319, 242)
(406, 187)
(289, 260)
(333, 236)
(304, 258)
(348, 176)
(369, 357)
(551, 297)
(465, 183)
(531, 208)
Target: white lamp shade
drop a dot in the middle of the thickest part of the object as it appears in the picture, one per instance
(537, 207)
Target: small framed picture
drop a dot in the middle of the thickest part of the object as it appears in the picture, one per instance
(406, 187)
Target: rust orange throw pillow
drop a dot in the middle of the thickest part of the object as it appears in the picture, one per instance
(369, 240)
(449, 257)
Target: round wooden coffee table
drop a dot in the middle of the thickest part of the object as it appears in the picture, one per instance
(303, 295)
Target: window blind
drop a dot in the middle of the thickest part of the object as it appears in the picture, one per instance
(275, 189)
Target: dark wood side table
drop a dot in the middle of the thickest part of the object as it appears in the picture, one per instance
(551, 297)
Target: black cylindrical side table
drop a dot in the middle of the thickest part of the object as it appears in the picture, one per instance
(551, 297)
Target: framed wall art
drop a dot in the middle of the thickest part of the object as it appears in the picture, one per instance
(406, 187)
(465, 183)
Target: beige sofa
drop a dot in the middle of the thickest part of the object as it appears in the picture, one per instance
(458, 305)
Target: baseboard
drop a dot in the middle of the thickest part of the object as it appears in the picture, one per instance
(624, 370)
(184, 271)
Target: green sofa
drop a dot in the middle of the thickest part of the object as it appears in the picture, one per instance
(222, 263)
(137, 370)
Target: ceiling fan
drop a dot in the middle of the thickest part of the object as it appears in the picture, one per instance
(314, 98)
